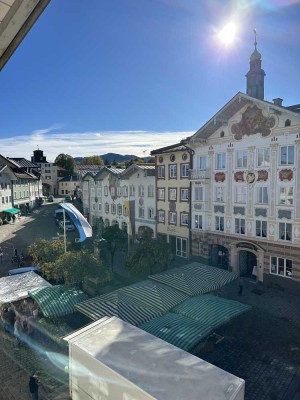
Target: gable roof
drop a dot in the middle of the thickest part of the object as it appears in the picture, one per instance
(23, 163)
(174, 147)
(109, 170)
(228, 111)
(149, 168)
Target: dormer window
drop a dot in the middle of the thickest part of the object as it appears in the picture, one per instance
(287, 122)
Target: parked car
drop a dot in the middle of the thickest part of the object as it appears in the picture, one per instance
(68, 224)
(68, 198)
(50, 198)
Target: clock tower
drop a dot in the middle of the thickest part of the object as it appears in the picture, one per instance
(256, 75)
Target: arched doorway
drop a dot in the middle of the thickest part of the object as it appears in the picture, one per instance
(247, 260)
(219, 256)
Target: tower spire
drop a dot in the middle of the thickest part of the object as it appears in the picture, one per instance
(255, 76)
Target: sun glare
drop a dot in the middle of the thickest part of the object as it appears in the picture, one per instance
(228, 34)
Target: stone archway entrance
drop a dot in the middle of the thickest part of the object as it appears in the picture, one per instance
(247, 260)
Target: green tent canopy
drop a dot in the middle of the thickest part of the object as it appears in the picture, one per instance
(120, 305)
(12, 210)
(154, 295)
(59, 300)
(178, 330)
(195, 278)
(210, 310)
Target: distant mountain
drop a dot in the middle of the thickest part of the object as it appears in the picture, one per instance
(110, 157)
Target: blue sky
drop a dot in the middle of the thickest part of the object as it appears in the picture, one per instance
(129, 76)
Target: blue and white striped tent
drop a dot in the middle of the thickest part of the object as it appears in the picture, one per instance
(178, 330)
(59, 300)
(153, 294)
(120, 305)
(195, 278)
(210, 310)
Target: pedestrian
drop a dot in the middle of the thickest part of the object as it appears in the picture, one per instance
(15, 252)
(241, 286)
(1, 255)
(14, 218)
(18, 332)
(34, 386)
(254, 273)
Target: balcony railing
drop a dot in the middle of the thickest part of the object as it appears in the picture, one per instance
(197, 174)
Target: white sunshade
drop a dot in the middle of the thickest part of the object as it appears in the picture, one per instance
(16, 287)
(84, 228)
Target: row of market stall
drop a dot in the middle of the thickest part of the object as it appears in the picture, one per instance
(177, 305)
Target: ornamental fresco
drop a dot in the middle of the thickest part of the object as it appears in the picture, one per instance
(253, 122)
(239, 176)
(286, 174)
(262, 175)
(220, 177)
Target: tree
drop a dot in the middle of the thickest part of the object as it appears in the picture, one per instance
(65, 161)
(45, 251)
(116, 240)
(73, 267)
(149, 257)
(92, 160)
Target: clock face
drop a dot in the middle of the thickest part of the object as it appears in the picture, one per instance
(250, 177)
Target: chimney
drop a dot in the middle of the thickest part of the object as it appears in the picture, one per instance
(278, 101)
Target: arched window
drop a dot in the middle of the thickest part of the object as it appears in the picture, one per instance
(222, 134)
(287, 122)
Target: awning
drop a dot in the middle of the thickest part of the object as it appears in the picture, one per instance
(16, 287)
(195, 278)
(57, 300)
(119, 305)
(210, 310)
(84, 228)
(178, 330)
(155, 295)
(12, 210)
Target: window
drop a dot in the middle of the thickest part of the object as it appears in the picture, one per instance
(99, 192)
(132, 190)
(141, 212)
(173, 171)
(285, 231)
(184, 194)
(161, 216)
(172, 218)
(219, 223)
(241, 159)
(125, 210)
(105, 190)
(106, 207)
(286, 195)
(262, 195)
(287, 122)
(221, 161)
(220, 193)
(240, 194)
(198, 222)
(100, 207)
(125, 192)
(113, 208)
(239, 226)
(150, 191)
(184, 219)
(172, 194)
(161, 194)
(141, 191)
(202, 162)
(287, 155)
(184, 170)
(151, 213)
(112, 191)
(161, 171)
(199, 193)
(181, 247)
(120, 209)
(119, 191)
(261, 229)
(281, 266)
(263, 157)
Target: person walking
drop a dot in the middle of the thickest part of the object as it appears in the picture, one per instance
(34, 386)
(18, 332)
(1, 255)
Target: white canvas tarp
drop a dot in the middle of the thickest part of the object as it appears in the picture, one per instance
(16, 287)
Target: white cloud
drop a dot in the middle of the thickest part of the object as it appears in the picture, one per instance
(81, 144)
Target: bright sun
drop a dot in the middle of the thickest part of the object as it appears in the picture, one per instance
(228, 33)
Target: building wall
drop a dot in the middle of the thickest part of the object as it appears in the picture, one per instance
(254, 199)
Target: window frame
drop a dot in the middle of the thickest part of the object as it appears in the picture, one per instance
(219, 223)
(261, 229)
(221, 161)
(287, 163)
(172, 218)
(274, 268)
(174, 191)
(286, 231)
(241, 155)
(184, 198)
(184, 215)
(240, 226)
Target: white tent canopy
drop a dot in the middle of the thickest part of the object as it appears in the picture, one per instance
(16, 287)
